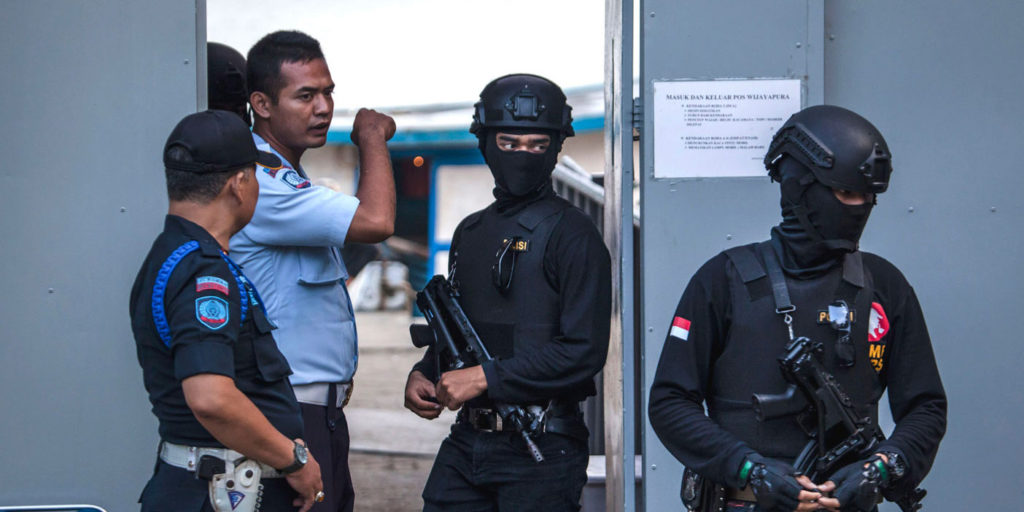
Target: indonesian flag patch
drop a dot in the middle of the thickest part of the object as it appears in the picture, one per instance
(878, 324)
(680, 328)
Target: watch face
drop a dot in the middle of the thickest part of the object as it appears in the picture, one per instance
(301, 453)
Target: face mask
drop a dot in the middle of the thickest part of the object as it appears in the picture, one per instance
(817, 229)
(840, 225)
(520, 172)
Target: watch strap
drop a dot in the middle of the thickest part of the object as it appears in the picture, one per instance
(298, 461)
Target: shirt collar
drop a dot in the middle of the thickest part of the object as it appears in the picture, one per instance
(207, 244)
(263, 145)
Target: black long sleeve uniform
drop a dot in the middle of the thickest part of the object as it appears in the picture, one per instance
(682, 382)
(577, 266)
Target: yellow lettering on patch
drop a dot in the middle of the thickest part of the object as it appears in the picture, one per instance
(822, 317)
(517, 245)
(876, 351)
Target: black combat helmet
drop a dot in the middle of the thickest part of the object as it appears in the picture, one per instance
(842, 149)
(226, 89)
(523, 101)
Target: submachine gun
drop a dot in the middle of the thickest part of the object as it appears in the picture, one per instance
(838, 435)
(457, 345)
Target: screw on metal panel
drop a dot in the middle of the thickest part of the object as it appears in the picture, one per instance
(654, 467)
(652, 14)
(50, 290)
(728, 237)
(910, 209)
(650, 329)
(831, 37)
(798, 45)
(186, 62)
(993, 209)
(123, 209)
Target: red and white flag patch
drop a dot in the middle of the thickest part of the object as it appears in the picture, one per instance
(211, 283)
(878, 324)
(680, 328)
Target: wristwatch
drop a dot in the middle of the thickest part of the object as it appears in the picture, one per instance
(896, 465)
(301, 457)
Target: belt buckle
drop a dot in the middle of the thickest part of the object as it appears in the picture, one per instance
(492, 423)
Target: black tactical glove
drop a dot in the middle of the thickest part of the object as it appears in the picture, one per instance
(774, 484)
(857, 486)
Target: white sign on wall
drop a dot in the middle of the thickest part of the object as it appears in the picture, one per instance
(718, 128)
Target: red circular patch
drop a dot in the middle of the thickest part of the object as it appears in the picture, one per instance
(878, 324)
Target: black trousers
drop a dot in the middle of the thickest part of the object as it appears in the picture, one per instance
(327, 439)
(492, 471)
(174, 489)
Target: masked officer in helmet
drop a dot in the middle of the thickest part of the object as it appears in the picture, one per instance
(225, 80)
(726, 336)
(534, 279)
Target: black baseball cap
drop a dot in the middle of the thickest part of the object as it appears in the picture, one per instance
(217, 141)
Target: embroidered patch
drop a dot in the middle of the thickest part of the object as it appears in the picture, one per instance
(680, 328)
(236, 498)
(294, 180)
(878, 324)
(212, 283)
(212, 312)
(517, 245)
(824, 319)
(272, 171)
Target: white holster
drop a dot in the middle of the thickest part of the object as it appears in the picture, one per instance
(238, 489)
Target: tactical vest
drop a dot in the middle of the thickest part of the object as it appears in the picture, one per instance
(746, 362)
(527, 313)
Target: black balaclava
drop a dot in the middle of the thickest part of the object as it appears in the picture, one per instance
(226, 88)
(817, 229)
(520, 176)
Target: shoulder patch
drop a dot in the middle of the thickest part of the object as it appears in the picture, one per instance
(680, 328)
(294, 180)
(272, 171)
(212, 283)
(212, 312)
(878, 324)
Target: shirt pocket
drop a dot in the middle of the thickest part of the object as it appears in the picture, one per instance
(320, 265)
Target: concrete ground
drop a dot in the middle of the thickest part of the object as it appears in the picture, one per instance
(392, 449)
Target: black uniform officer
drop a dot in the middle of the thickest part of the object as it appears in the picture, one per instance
(210, 364)
(534, 278)
(726, 336)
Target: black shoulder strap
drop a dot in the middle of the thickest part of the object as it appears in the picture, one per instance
(746, 263)
(779, 290)
(534, 214)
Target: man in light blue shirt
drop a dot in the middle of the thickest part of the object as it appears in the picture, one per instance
(290, 249)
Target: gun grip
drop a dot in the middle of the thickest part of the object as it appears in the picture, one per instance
(776, 406)
(422, 335)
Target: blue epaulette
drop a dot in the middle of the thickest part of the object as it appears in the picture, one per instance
(160, 288)
(163, 329)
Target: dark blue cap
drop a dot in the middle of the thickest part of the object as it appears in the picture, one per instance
(217, 141)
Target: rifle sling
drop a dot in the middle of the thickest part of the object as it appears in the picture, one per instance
(779, 290)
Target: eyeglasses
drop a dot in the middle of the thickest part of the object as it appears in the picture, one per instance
(501, 272)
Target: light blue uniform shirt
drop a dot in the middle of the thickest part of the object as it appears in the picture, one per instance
(290, 250)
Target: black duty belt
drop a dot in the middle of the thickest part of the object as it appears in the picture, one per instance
(559, 418)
